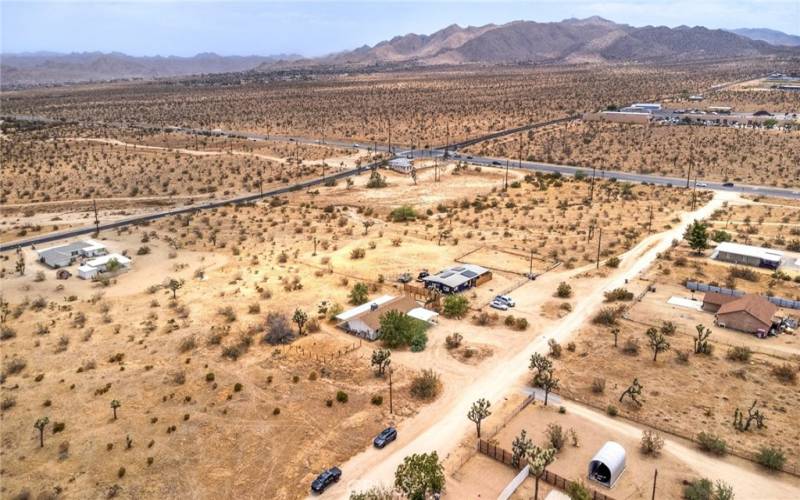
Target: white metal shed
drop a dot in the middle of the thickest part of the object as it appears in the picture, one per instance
(608, 464)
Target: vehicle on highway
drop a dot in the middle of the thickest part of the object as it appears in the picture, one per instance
(496, 304)
(727, 184)
(495, 162)
(701, 185)
(506, 300)
(469, 157)
(386, 436)
(355, 145)
(325, 479)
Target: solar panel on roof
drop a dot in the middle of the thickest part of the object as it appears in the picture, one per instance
(446, 275)
(458, 269)
(469, 274)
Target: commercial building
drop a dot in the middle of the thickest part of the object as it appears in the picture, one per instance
(749, 313)
(749, 255)
(64, 255)
(458, 278)
(106, 264)
(365, 320)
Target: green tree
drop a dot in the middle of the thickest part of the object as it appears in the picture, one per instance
(400, 329)
(114, 405)
(538, 460)
(520, 448)
(403, 214)
(381, 358)
(419, 475)
(478, 412)
(697, 236)
(549, 383)
(40, 424)
(455, 306)
(539, 365)
(300, 318)
(359, 294)
(658, 343)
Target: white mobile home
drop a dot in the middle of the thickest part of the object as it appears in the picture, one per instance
(64, 255)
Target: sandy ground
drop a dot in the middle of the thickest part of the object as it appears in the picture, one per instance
(442, 431)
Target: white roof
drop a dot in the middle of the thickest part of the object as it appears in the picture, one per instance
(350, 313)
(101, 261)
(423, 314)
(748, 251)
(400, 162)
(456, 275)
(87, 269)
(612, 455)
(653, 105)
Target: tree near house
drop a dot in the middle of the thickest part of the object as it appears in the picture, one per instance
(420, 475)
(697, 236)
(114, 405)
(40, 424)
(478, 412)
(174, 285)
(300, 318)
(538, 461)
(701, 345)
(658, 343)
(520, 448)
(538, 365)
(455, 306)
(399, 329)
(381, 358)
(359, 294)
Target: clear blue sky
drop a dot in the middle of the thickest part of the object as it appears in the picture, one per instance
(150, 27)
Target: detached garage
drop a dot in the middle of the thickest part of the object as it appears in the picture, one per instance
(608, 464)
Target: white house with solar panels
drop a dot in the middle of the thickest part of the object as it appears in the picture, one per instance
(458, 278)
(64, 255)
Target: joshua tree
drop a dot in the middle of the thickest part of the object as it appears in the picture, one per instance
(548, 382)
(4, 309)
(20, 266)
(633, 392)
(753, 414)
(114, 405)
(174, 285)
(478, 412)
(367, 223)
(538, 460)
(520, 448)
(414, 175)
(381, 358)
(615, 333)
(658, 343)
(701, 345)
(40, 424)
(539, 364)
(300, 318)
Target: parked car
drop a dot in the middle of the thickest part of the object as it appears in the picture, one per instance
(386, 436)
(496, 304)
(405, 278)
(325, 479)
(727, 184)
(505, 299)
(423, 274)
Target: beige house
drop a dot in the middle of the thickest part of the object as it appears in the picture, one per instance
(750, 313)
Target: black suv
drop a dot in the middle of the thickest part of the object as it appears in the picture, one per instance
(325, 479)
(385, 437)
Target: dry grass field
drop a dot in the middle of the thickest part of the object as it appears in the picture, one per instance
(420, 108)
(761, 157)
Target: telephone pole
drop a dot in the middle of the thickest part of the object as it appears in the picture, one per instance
(599, 240)
(505, 188)
(96, 219)
(655, 478)
(391, 406)
(591, 188)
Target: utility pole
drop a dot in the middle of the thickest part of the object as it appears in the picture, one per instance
(391, 406)
(655, 477)
(694, 192)
(591, 188)
(520, 150)
(688, 174)
(599, 240)
(650, 222)
(96, 219)
(505, 182)
(390, 134)
(315, 247)
(446, 139)
(530, 267)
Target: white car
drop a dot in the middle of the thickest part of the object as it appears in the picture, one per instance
(702, 185)
(505, 299)
(496, 304)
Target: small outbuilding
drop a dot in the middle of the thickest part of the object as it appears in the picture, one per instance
(401, 164)
(737, 253)
(608, 464)
(107, 263)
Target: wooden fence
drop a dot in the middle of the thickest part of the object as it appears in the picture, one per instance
(504, 456)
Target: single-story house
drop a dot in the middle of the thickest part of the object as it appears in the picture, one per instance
(712, 301)
(747, 254)
(749, 313)
(107, 263)
(607, 464)
(64, 255)
(365, 320)
(401, 164)
(458, 278)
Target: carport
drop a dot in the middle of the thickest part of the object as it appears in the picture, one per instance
(608, 464)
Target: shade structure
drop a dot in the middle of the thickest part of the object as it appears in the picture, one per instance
(608, 464)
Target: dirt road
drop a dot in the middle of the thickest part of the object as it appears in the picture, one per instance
(747, 480)
(441, 430)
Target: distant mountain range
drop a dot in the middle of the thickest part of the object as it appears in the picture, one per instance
(572, 41)
(772, 37)
(41, 68)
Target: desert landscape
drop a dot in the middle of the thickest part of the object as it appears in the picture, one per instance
(417, 269)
